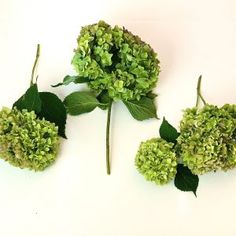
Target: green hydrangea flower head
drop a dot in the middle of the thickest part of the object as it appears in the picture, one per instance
(207, 140)
(115, 60)
(26, 141)
(156, 160)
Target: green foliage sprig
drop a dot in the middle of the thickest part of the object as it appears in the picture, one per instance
(207, 138)
(116, 65)
(29, 132)
(159, 161)
(27, 141)
(206, 142)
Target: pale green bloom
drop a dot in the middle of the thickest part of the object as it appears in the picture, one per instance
(207, 140)
(26, 141)
(156, 160)
(116, 60)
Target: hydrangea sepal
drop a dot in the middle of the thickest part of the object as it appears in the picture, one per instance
(29, 132)
(116, 65)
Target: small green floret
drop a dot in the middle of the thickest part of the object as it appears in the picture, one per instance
(115, 60)
(207, 140)
(26, 141)
(156, 160)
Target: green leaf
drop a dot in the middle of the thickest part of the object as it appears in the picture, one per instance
(104, 100)
(168, 132)
(54, 111)
(151, 95)
(142, 109)
(30, 100)
(185, 180)
(69, 79)
(80, 102)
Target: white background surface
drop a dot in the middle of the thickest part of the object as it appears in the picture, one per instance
(74, 197)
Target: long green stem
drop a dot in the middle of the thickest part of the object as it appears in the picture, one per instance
(108, 138)
(199, 95)
(35, 64)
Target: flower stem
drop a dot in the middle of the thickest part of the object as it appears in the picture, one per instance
(34, 66)
(199, 95)
(108, 138)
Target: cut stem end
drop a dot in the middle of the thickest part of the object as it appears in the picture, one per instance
(34, 66)
(199, 95)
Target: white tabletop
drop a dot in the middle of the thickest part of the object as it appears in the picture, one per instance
(75, 197)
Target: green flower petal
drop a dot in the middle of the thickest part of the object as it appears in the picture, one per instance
(207, 140)
(117, 61)
(26, 141)
(156, 160)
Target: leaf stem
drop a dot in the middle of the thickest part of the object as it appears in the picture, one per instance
(199, 95)
(108, 138)
(34, 66)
